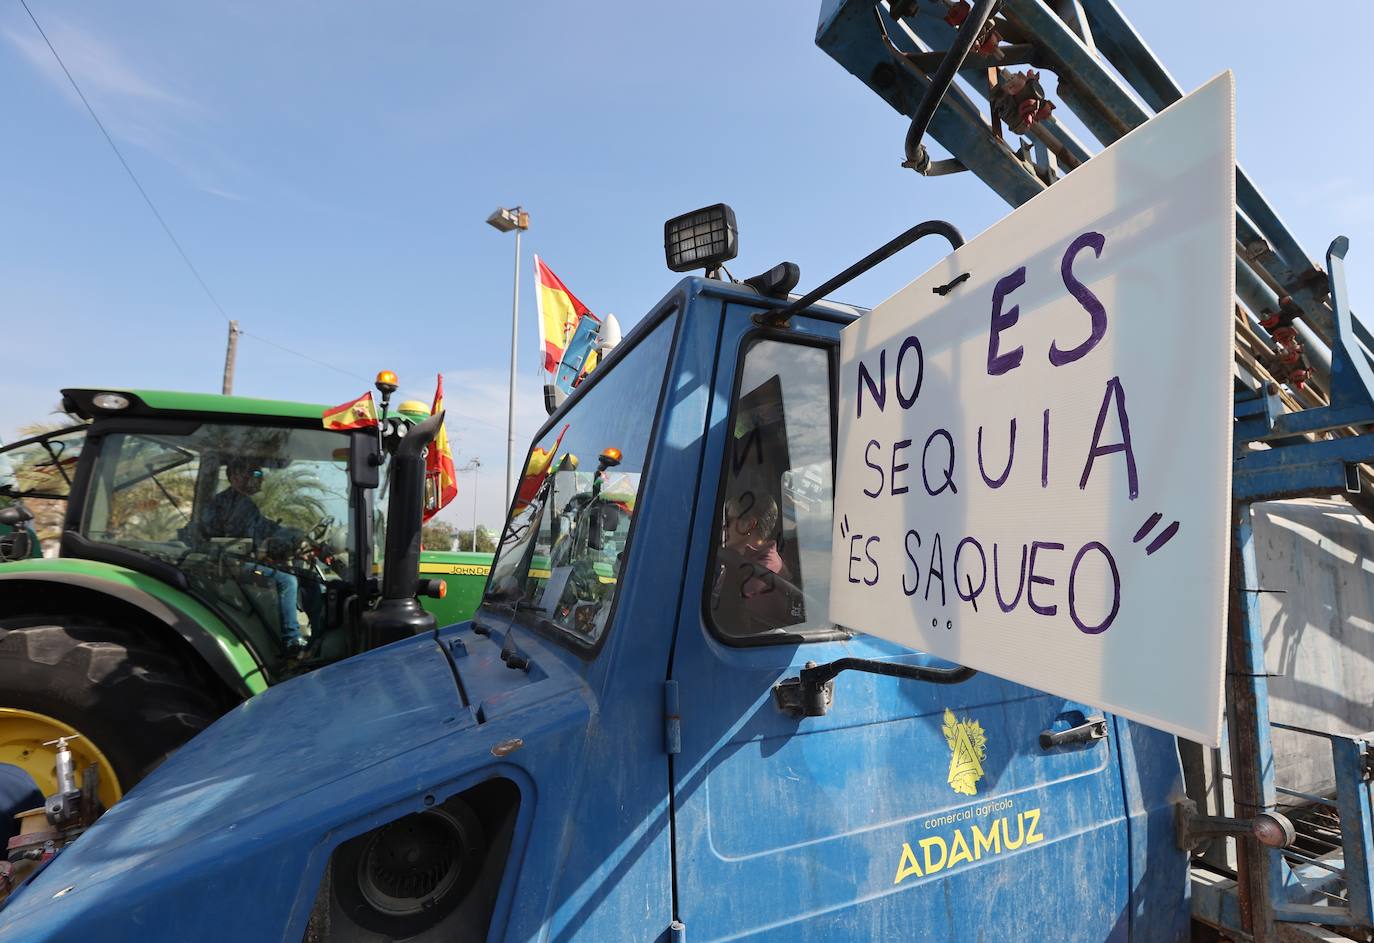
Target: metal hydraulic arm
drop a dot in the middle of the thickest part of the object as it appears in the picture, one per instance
(1304, 406)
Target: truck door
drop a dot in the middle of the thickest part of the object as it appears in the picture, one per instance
(910, 810)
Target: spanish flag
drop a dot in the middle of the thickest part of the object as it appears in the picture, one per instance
(559, 311)
(536, 470)
(358, 414)
(441, 481)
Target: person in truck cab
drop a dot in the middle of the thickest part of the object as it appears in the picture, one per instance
(752, 580)
(233, 513)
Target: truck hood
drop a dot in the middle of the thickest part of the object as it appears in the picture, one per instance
(228, 840)
(294, 738)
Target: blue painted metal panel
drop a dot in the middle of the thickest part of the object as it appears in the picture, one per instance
(228, 840)
(1153, 776)
(818, 811)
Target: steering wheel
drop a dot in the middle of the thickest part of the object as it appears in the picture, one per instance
(776, 582)
(317, 533)
(796, 601)
(311, 547)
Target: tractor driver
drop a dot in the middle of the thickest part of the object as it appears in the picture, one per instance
(234, 513)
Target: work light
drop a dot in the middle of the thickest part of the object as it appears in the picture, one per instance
(704, 238)
(110, 401)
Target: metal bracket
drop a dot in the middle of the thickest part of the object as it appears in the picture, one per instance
(798, 697)
(1272, 829)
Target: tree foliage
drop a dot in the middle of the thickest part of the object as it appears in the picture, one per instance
(438, 535)
(486, 540)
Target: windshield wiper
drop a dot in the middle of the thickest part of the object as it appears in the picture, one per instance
(167, 494)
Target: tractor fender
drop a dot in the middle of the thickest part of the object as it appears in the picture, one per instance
(222, 652)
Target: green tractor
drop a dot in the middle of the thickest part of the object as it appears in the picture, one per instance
(210, 546)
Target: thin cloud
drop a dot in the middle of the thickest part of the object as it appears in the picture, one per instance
(136, 107)
(101, 71)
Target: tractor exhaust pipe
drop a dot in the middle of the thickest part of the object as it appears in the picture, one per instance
(398, 614)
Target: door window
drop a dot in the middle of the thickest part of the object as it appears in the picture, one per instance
(42, 467)
(770, 568)
(38, 474)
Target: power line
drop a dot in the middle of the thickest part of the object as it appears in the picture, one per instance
(297, 353)
(158, 216)
(125, 164)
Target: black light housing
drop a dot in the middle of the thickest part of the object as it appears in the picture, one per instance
(778, 281)
(704, 238)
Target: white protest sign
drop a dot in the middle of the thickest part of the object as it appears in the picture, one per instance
(1034, 473)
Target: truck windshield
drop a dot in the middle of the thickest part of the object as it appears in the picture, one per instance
(257, 518)
(565, 545)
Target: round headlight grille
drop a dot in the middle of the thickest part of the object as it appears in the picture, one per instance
(413, 862)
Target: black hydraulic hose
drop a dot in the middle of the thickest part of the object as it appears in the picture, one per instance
(931, 227)
(943, 78)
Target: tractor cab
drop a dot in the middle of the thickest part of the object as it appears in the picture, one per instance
(173, 554)
(258, 519)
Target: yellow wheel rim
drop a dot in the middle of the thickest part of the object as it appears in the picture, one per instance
(22, 738)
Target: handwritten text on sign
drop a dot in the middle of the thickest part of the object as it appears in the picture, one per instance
(1034, 473)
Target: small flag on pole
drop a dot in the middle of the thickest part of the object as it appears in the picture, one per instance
(357, 414)
(441, 481)
(559, 312)
(536, 470)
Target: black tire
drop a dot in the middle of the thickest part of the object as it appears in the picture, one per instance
(133, 699)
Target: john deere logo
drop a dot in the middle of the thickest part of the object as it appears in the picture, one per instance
(967, 750)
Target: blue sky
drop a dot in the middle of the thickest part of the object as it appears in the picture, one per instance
(328, 168)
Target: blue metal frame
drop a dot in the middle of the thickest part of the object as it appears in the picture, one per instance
(1112, 82)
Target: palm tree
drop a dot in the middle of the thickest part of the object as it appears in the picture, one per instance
(295, 496)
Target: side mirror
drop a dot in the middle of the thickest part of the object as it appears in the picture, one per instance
(596, 530)
(604, 518)
(364, 461)
(14, 515)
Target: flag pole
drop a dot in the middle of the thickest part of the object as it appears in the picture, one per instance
(514, 344)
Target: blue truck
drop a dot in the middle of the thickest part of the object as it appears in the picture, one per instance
(600, 754)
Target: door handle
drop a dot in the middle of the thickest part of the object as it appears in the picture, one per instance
(1094, 728)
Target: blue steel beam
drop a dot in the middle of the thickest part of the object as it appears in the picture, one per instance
(1351, 761)
(853, 39)
(1310, 468)
(1099, 98)
(1128, 53)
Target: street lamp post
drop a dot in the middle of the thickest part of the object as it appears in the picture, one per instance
(507, 220)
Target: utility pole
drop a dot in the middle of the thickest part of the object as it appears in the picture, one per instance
(230, 354)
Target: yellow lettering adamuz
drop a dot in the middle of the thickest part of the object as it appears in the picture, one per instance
(939, 853)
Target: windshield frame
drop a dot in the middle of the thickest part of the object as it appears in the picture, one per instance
(670, 307)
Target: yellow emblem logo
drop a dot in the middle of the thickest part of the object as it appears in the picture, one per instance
(967, 750)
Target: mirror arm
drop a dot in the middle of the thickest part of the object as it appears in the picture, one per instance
(811, 693)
